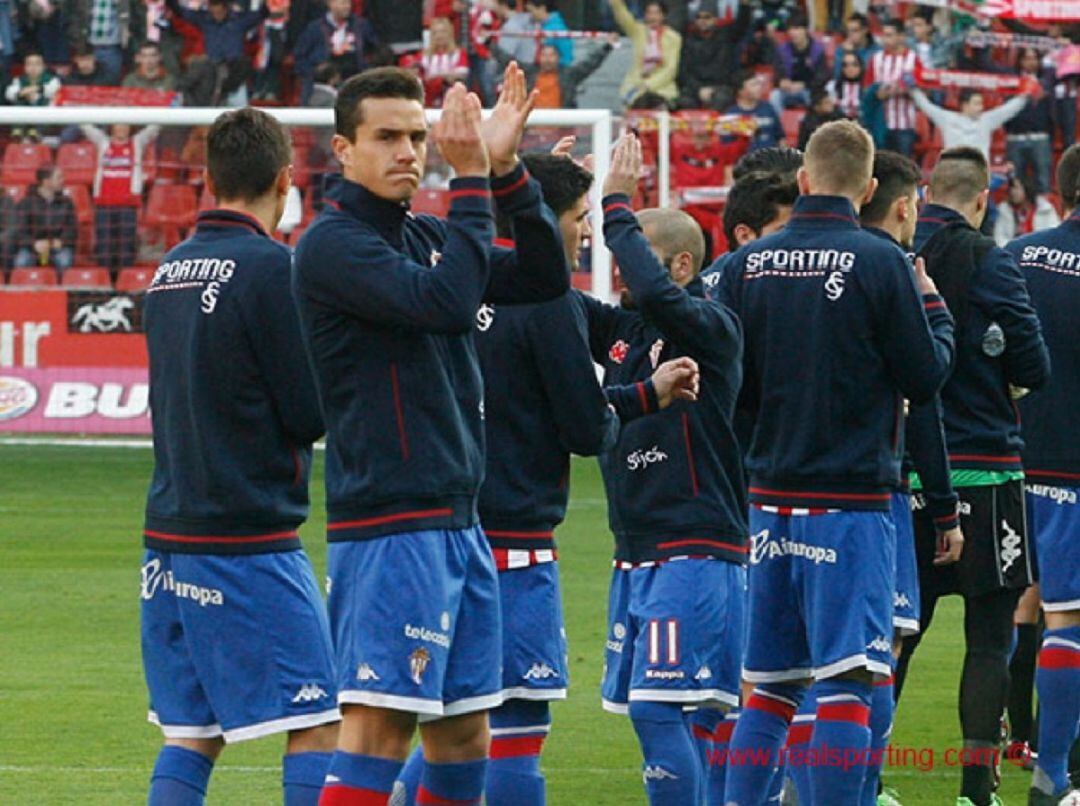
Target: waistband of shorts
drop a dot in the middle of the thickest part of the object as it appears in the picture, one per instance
(800, 495)
(508, 535)
(1052, 478)
(399, 517)
(638, 549)
(183, 537)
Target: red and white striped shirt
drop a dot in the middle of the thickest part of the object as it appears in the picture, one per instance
(849, 97)
(890, 68)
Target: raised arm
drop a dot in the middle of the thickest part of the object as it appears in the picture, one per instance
(1000, 115)
(937, 115)
(623, 18)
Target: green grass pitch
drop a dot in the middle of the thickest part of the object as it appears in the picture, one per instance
(73, 704)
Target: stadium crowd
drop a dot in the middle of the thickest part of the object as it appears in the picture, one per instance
(738, 76)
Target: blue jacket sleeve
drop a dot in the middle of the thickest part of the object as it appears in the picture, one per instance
(926, 443)
(602, 322)
(705, 330)
(556, 332)
(272, 323)
(633, 400)
(535, 269)
(306, 53)
(1001, 293)
(915, 335)
(361, 274)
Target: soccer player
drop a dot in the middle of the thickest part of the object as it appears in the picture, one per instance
(675, 491)
(999, 345)
(824, 457)
(235, 638)
(388, 303)
(1050, 262)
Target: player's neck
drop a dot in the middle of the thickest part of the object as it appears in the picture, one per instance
(263, 210)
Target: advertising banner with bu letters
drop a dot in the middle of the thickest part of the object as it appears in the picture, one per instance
(73, 362)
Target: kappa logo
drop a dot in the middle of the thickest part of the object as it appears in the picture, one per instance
(1010, 546)
(540, 671)
(764, 547)
(418, 663)
(704, 673)
(436, 256)
(365, 674)
(309, 693)
(964, 508)
(664, 674)
(654, 772)
(880, 644)
(654, 352)
(485, 317)
(900, 599)
(153, 579)
(618, 352)
(104, 318)
(641, 459)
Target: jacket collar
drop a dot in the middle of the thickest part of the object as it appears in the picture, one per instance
(877, 232)
(833, 212)
(353, 199)
(932, 218)
(1074, 218)
(230, 218)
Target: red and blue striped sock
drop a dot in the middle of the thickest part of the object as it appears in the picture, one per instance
(798, 744)
(881, 719)
(1058, 684)
(356, 780)
(712, 731)
(456, 784)
(840, 743)
(755, 744)
(518, 731)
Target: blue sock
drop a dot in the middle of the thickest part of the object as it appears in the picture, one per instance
(755, 745)
(302, 776)
(881, 718)
(671, 770)
(410, 774)
(518, 731)
(711, 730)
(353, 778)
(842, 726)
(1058, 684)
(462, 783)
(180, 777)
(798, 744)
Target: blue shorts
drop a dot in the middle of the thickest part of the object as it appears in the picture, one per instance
(416, 624)
(675, 634)
(906, 591)
(820, 595)
(237, 647)
(535, 666)
(1054, 518)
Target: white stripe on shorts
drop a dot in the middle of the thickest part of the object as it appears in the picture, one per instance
(288, 723)
(683, 695)
(184, 731)
(526, 693)
(1061, 607)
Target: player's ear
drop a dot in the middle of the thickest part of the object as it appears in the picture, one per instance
(802, 179)
(743, 234)
(341, 148)
(682, 268)
(871, 189)
(283, 180)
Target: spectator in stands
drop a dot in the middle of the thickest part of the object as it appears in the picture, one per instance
(272, 49)
(46, 228)
(442, 64)
(42, 25)
(35, 87)
(849, 87)
(707, 59)
(483, 23)
(545, 15)
(890, 76)
(224, 31)
(800, 66)
(859, 41)
(86, 72)
(758, 50)
(8, 34)
(339, 37)
(656, 52)
(558, 85)
(323, 95)
(521, 49)
(149, 72)
(9, 230)
(397, 24)
(118, 187)
(105, 24)
(1024, 212)
(1065, 64)
(768, 131)
(931, 48)
(1027, 135)
(971, 126)
(697, 160)
(822, 110)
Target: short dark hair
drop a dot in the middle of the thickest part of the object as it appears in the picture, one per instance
(660, 3)
(895, 24)
(798, 20)
(245, 151)
(1068, 176)
(146, 43)
(33, 52)
(961, 174)
(326, 73)
(562, 181)
(897, 176)
(44, 172)
(968, 93)
(753, 201)
(82, 49)
(741, 77)
(774, 160)
(860, 18)
(379, 82)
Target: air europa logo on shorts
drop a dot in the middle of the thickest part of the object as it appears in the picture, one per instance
(1059, 495)
(764, 547)
(154, 578)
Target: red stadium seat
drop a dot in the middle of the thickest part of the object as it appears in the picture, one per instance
(134, 279)
(301, 163)
(790, 120)
(80, 197)
(34, 277)
(21, 161)
(78, 161)
(431, 201)
(93, 277)
(171, 209)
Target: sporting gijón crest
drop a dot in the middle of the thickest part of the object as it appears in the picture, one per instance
(619, 351)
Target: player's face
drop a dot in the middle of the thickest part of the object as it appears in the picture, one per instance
(907, 231)
(389, 148)
(574, 228)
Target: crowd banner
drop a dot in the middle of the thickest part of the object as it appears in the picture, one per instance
(1001, 83)
(114, 96)
(73, 361)
(1001, 39)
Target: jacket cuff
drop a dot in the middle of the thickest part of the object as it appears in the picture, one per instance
(934, 302)
(514, 189)
(944, 512)
(616, 204)
(472, 193)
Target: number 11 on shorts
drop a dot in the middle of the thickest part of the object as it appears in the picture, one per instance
(669, 629)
